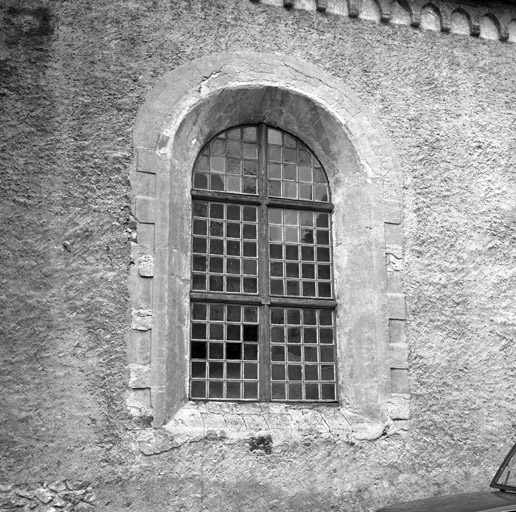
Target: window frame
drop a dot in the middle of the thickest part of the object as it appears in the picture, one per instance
(263, 298)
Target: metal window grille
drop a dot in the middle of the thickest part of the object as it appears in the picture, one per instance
(262, 301)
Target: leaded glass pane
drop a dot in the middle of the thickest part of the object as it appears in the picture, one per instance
(303, 360)
(224, 248)
(224, 351)
(300, 255)
(229, 163)
(293, 170)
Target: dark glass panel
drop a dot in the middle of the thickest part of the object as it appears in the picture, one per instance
(327, 372)
(294, 372)
(200, 208)
(216, 283)
(233, 248)
(216, 265)
(307, 253)
(250, 249)
(250, 352)
(309, 316)
(233, 370)
(292, 270)
(216, 312)
(276, 268)
(250, 390)
(326, 354)
(198, 331)
(291, 252)
(277, 353)
(277, 335)
(216, 370)
(234, 313)
(277, 315)
(216, 351)
(293, 316)
(295, 392)
(198, 282)
(215, 389)
(328, 391)
(278, 391)
(233, 351)
(278, 372)
(250, 332)
(216, 331)
(310, 354)
(199, 245)
(216, 246)
(198, 350)
(199, 263)
(310, 335)
(199, 369)
(233, 332)
(250, 371)
(233, 284)
(250, 285)
(311, 392)
(250, 213)
(293, 288)
(233, 266)
(294, 335)
(199, 311)
(276, 251)
(198, 389)
(250, 314)
(294, 352)
(233, 390)
(311, 372)
(276, 287)
(233, 230)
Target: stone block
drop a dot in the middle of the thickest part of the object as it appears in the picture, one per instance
(146, 265)
(396, 331)
(398, 356)
(399, 380)
(145, 209)
(141, 319)
(138, 347)
(399, 407)
(146, 161)
(138, 402)
(139, 376)
(396, 306)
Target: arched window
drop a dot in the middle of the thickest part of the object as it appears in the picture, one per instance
(262, 299)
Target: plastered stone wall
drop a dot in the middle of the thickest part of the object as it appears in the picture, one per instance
(73, 77)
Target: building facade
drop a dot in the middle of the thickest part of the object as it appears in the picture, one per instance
(257, 255)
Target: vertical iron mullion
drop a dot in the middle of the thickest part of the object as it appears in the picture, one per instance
(263, 267)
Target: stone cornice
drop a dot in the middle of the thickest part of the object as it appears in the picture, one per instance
(488, 20)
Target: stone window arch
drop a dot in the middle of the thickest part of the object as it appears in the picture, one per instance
(189, 107)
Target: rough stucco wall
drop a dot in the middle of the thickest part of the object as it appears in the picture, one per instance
(74, 75)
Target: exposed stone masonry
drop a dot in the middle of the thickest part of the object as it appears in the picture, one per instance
(65, 496)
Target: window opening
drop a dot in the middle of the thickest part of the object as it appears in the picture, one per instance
(262, 300)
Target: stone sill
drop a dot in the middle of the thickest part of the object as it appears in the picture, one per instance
(285, 423)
